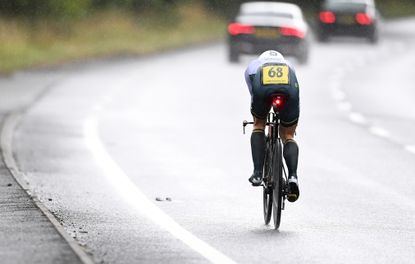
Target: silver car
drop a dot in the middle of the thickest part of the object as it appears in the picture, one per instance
(261, 26)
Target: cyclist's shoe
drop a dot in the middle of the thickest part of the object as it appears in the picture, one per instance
(293, 190)
(256, 178)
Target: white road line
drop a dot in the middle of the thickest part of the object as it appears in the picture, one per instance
(344, 106)
(410, 148)
(6, 149)
(338, 95)
(357, 118)
(135, 198)
(380, 132)
(335, 85)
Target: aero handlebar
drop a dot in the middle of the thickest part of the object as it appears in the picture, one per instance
(245, 123)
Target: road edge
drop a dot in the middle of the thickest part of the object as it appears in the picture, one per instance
(6, 138)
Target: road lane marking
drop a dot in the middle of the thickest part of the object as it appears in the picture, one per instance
(380, 132)
(344, 106)
(410, 148)
(6, 148)
(335, 86)
(357, 118)
(136, 199)
(339, 95)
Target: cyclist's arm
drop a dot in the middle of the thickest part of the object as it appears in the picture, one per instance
(294, 75)
(250, 73)
(248, 80)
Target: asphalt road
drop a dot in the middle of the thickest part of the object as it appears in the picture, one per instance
(144, 161)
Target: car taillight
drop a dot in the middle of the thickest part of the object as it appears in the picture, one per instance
(278, 101)
(327, 17)
(237, 28)
(363, 19)
(288, 31)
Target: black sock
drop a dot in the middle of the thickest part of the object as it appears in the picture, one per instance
(291, 157)
(258, 149)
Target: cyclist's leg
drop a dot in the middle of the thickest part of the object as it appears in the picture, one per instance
(290, 148)
(258, 143)
(289, 119)
(259, 123)
(259, 109)
(291, 159)
(258, 150)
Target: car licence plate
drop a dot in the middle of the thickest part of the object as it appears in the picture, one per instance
(346, 20)
(267, 33)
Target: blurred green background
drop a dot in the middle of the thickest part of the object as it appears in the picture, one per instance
(45, 32)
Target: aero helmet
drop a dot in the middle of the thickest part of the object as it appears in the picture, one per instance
(271, 55)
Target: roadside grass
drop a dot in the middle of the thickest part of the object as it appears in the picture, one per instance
(25, 44)
(395, 9)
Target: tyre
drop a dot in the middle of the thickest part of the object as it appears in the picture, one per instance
(267, 191)
(303, 52)
(233, 54)
(267, 203)
(322, 37)
(277, 185)
(373, 38)
(303, 57)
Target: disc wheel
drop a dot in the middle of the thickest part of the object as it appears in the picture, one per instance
(277, 184)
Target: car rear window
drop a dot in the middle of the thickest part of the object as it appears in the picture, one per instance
(268, 14)
(260, 20)
(336, 6)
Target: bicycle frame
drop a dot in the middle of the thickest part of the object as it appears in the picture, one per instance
(273, 139)
(274, 174)
(273, 124)
(273, 134)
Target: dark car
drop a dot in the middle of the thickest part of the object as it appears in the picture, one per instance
(348, 18)
(261, 26)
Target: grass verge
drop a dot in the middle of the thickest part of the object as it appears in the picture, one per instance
(25, 44)
(395, 9)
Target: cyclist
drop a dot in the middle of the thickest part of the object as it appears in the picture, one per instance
(260, 90)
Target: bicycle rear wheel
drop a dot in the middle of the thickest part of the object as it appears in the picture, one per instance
(267, 200)
(267, 191)
(277, 185)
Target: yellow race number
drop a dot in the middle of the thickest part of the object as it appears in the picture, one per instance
(275, 74)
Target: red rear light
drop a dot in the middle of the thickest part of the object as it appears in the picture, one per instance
(237, 28)
(287, 31)
(327, 17)
(363, 19)
(278, 101)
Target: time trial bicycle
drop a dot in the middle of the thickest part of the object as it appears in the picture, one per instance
(275, 187)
